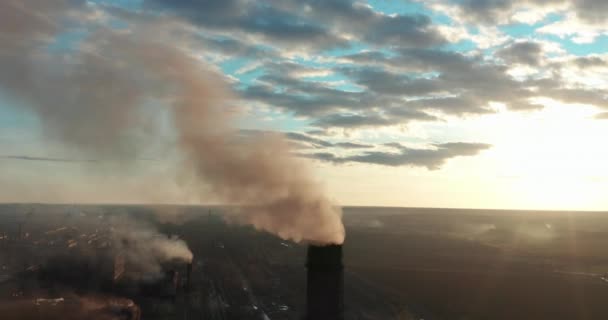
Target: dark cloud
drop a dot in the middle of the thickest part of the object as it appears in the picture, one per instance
(238, 48)
(308, 139)
(594, 97)
(593, 11)
(382, 82)
(274, 25)
(493, 11)
(308, 24)
(288, 28)
(389, 98)
(590, 62)
(320, 100)
(415, 60)
(459, 105)
(370, 119)
(320, 143)
(370, 26)
(352, 145)
(404, 31)
(432, 159)
(528, 53)
(486, 10)
(302, 97)
(406, 85)
(469, 83)
(460, 85)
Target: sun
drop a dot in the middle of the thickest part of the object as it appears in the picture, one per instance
(556, 156)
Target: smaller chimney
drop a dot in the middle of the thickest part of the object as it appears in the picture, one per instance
(188, 284)
(20, 231)
(325, 285)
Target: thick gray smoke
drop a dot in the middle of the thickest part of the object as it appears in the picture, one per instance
(103, 99)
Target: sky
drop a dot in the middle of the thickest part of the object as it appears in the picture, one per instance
(443, 103)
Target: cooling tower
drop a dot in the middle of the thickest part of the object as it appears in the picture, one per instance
(325, 284)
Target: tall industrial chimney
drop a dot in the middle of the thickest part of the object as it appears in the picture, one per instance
(325, 286)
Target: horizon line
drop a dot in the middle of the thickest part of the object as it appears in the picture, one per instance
(342, 206)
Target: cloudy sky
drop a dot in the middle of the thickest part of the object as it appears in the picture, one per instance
(439, 103)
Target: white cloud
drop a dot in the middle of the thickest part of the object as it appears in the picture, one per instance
(571, 26)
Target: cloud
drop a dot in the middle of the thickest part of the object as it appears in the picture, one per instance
(413, 85)
(370, 119)
(432, 158)
(460, 86)
(383, 82)
(590, 62)
(459, 105)
(584, 20)
(320, 143)
(525, 52)
(361, 22)
(492, 11)
(602, 116)
(403, 75)
(236, 48)
(352, 145)
(414, 60)
(592, 10)
(265, 22)
(308, 141)
(46, 159)
(310, 25)
(578, 30)
(302, 97)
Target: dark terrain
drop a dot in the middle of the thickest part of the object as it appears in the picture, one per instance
(399, 263)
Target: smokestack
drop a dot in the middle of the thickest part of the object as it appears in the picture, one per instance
(188, 284)
(325, 286)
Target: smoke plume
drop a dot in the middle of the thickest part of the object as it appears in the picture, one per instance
(144, 248)
(110, 98)
(95, 245)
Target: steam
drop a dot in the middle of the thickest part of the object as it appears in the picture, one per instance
(104, 100)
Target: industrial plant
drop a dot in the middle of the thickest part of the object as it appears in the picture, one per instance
(65, 260)
(131, 262)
